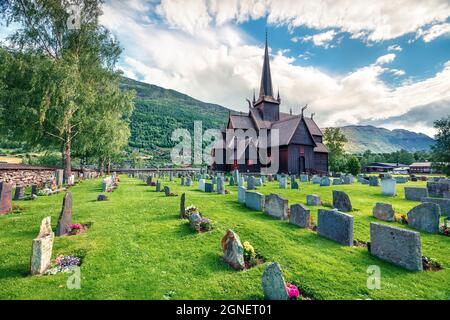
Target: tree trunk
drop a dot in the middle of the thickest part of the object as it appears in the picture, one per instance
(109, 166)
(67, 161)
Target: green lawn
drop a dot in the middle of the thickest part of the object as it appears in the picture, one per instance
(137, 248)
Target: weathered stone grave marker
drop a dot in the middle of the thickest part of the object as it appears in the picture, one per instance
(42, 246)
(335, 225)
(276, 206)
(65, 217)
(254, 200)
(300, 216)
(5, 198)
(233, 251)
(395, 245)
(383, 211)
(425, 217)
(341, 201)
(313, 200)
(274, 286)
(415, 194)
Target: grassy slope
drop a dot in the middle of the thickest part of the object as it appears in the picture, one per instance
(139, 249)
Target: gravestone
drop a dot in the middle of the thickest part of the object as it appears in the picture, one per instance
(437, 189)
(241, 181)
(233, 251)
(325, 182)
(182, 205)
(188, 182)
(415, 194)
(19, 194)
(220, 186)
(365, 180)
(313, 200)
(348, 179)
(336, 226)
(102, 197)
(316, 179)
(171, 176)
(34, 190)
(201, 184)
(443, 203)
(71, 180)
(304, 178)
(383, 211)
(373, 181)
(158, 186)
(258, 182)
(250, 183)
(5, 198)
(388, 187)
(209, 187)
(338, 181)
(341, 201)
(149, 180)
(241, 194)
(274, 286)
(300, 216)
(42, 246)
(194, 221)
(276, 206)
(401, 180)
(65, 217)
(395, 245)
(282, 182)
(425, 217)
(254, 200)
(183, 183)
(59, 175)
(166, 191)
(231, 181)
(294, 185)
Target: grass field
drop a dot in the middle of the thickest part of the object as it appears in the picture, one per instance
(137, 248)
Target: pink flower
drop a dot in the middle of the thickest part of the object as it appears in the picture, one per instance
(292, 291)
(75, 226)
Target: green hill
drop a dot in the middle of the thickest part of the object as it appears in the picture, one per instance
(158, 112)
(380, 140)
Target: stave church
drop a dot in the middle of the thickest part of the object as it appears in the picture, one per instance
(301, 148)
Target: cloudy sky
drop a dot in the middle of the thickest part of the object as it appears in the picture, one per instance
(384, 62)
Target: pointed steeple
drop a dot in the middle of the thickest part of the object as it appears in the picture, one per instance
(266, 78)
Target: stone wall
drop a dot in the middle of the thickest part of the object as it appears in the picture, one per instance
(26, 177)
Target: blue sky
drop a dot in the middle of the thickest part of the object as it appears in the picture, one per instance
(385, 63)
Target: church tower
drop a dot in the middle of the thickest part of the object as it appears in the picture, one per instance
(267, 104)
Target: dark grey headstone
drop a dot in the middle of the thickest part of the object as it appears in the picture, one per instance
(443, 203)
(274, 286)
(425, 217)
(158, 186)
(335, 225)
(294, 185)
(209, 187)
(102, 197)
(313, 200)
(149, 180)
(241, 194)
(5, 198)
(341, 201)
(65, 218)
(166, 191)
(34, 189)
(19, 194)
(415, 194)
(325, 182)
(398, 246)
(373, 181)
(276, 206)
(437, 189)
(251, 183)
(300, 216)
(182, 205)
(384, 211)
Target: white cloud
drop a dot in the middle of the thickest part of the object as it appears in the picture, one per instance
(388, 58)
(434, 32)
(370, 20)
(320, 40)
(395, 47)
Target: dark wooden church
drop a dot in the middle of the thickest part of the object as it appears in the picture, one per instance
(301, 149)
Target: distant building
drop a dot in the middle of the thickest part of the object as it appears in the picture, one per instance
(301, 147)
(385, 167)
(421, 167)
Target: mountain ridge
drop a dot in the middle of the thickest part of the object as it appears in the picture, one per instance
(159, 111)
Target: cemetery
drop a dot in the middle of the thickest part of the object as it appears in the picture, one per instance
(262, 239)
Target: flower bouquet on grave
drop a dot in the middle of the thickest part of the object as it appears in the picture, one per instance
(292, 291)
(78, 228)
(227, 191)
(444, 230)
(64, 264)
(251, 256)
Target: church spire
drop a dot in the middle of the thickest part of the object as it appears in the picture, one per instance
(266, 78)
